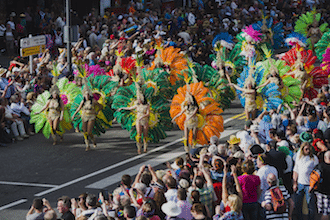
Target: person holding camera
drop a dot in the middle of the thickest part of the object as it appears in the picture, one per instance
(36, 212)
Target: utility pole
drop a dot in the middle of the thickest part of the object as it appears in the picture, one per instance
(68, 45)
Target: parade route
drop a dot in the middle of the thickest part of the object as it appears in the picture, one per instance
(36, 168)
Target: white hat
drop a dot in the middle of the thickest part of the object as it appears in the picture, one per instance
(120, 17)
(171, 209)
(239, 154)
(12, 14)
(15, 69)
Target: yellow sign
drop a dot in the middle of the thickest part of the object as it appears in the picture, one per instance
(32, 50)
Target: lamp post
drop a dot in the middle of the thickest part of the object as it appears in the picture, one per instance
(68, 45)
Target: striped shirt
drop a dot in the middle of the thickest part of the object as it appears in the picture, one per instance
(268, 199)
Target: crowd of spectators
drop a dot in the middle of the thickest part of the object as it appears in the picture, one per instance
(222, 181)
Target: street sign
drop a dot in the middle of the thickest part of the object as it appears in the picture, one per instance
(32, 50)
(33, 41)
(73, 33)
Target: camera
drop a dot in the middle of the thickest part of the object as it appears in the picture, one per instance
(105, 194)
(146, 167)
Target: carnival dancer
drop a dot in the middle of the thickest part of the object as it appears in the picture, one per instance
(302, 62)
(314, 33)
(190, 109)
(250, 93)
(275, 71)
(55, 109)
(251, 99)
(142, 108)
(308, 25)
(90, 109)
(198, 115)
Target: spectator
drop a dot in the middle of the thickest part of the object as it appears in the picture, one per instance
(63, 207)
(129, 212)
(304, 164)
(235, 213)
(171, 193)
(207, 193)
(172, 211)
(323, 190)
(197, 212)
(16, 124)
(184, 205)
(277, 159)
(251, 190)
(36, 212)
(91, 202)
(267, 204)
(264, 170)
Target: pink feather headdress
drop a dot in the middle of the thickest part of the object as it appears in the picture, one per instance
(254, 34)
(326, 61)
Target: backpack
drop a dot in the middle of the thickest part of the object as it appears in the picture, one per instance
(315, 178)
(278, 201)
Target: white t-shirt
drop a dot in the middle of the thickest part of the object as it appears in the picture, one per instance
(263, 173)
(304, 166)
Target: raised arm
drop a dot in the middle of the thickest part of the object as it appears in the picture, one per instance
(264, 84)
(224, 186)
(153, 173)
(178, 115)
(207, 176)
(44, 108)
(292, 115)
(238, 186)
(138, 176)
(302, 109)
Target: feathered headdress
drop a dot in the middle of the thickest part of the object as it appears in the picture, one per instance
(326, 61)
(251, 33)
(86, 89)
(223, 40)
(296, 38)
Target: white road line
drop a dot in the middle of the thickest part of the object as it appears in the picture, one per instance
(27, 184)
(133, 170)
(105, 169)
(227, 120)
(227, 132)
(13, 204)
(108, 181)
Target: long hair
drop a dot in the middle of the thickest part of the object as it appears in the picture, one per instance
(235, 203)
(303, 145)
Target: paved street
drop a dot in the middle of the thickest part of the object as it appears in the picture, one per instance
(35, 168)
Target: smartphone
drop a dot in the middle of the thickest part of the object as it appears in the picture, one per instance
(105, 194)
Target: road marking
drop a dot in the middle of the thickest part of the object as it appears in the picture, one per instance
(227, 120)
(27, 184)
(227, 133)
(243, 117)
(237, 116)
(13, 204)
(106, 169)
(224, 134)
(108, 181)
